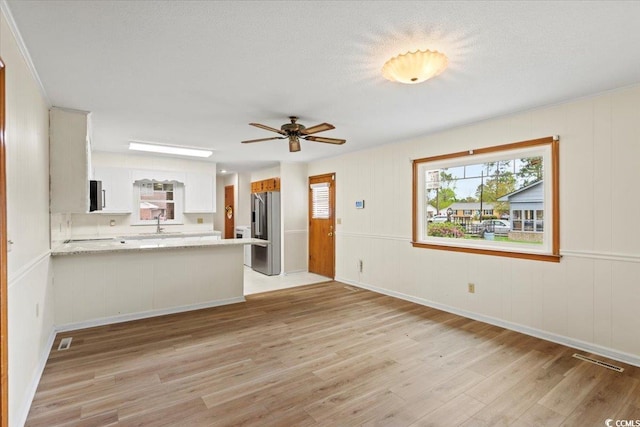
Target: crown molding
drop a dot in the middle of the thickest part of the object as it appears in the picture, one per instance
(6, 11)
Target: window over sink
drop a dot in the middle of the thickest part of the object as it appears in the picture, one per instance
(159, 200)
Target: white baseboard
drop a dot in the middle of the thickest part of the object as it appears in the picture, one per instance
(288, 273)
(146, 314)
(35, 380)
(620, 356)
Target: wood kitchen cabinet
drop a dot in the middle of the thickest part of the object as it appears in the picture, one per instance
(69, 160)
(271, 184)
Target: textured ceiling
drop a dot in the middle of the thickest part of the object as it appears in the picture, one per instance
(197, 72)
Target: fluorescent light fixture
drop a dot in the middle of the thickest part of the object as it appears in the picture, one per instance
(168, 149)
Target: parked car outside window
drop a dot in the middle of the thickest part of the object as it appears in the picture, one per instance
(438, 218)
(498, 226)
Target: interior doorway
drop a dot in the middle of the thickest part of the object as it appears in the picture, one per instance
(229, 212)
(322, 196)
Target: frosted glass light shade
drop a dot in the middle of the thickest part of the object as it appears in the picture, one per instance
(415, 67)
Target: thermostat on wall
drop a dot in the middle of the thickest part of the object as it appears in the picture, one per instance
(359, 204)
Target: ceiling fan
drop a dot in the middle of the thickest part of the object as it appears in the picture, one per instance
(295, 131)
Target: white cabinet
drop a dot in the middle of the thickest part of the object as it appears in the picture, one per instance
(69, 160)
(199, 193)
(117, 189)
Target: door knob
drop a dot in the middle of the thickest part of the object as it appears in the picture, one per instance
(330, 234)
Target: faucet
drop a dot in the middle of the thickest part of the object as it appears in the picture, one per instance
(158, 228)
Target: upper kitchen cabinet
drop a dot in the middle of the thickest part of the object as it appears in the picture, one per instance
(69, 160)
(199, 193)
(117, 189)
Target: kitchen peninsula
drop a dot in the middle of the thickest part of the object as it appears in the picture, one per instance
(109, 280)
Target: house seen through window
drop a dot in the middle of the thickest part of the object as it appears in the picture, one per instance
(488, 200)
(159, 200)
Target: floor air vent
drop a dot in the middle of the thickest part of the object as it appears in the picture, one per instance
(598, 362)
(65, 343)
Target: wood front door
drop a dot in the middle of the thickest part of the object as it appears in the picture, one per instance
(322, 249)
(229, 213)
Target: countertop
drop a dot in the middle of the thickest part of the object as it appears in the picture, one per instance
(146, 243)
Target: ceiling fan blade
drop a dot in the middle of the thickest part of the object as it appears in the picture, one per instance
(265, 127)
(262, 139)
(323, 139)
(317, 128)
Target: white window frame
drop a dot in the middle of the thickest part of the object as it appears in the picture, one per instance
(178, 199)
(549, 250)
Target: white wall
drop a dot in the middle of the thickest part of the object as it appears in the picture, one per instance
(294, 207)
(243, 206)
(261, 174)
(65, 226)
(589, 300)
(30, 285)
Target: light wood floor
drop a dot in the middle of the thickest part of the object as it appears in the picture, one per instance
(324, 355)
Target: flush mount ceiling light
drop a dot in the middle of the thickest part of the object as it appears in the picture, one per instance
(415, 67)
(168, 149)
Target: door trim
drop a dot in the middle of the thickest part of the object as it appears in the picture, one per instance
(332, 205)
(4, 350)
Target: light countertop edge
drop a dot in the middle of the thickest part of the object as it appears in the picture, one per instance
(98, 247)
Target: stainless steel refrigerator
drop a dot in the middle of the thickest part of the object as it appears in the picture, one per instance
(265, 224)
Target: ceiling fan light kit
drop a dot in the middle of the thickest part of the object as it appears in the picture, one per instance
(415, 67)
(294, 131)
(294, 144)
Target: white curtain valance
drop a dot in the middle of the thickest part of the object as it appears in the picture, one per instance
(157, 176)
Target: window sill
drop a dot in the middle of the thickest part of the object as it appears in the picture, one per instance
(155, 224)
(502, 253)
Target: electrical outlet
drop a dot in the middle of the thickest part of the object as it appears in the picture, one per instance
(472, 288)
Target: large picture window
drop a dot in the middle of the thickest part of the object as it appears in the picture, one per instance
(500, 200)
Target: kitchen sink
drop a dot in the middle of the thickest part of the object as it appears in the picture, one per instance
(163, 235)
(94, 239)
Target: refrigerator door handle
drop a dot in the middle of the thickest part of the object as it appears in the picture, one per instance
(257, 216)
